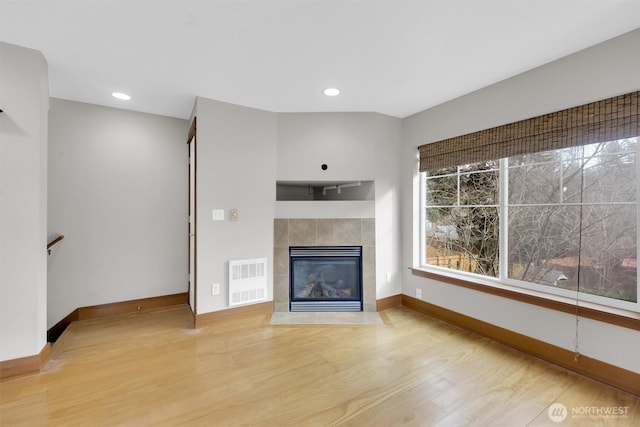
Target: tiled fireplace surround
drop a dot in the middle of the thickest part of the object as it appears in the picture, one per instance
(323, 232)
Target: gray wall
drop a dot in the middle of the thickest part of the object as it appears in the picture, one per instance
(609, 69)
(236, 169)
(355, 147)
(24, 98)
(118, 192)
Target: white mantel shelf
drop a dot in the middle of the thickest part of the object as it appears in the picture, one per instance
(325, 209)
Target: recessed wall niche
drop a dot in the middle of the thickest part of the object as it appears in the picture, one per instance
(325, 190)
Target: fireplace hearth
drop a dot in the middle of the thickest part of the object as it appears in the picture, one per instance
(325, 278)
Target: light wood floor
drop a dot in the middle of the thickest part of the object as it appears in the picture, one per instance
(153, 368)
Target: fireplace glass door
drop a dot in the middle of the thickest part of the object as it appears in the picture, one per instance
(326, 278)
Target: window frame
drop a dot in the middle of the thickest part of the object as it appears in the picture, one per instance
(503, 281)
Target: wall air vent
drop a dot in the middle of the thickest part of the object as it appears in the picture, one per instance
(247, 281)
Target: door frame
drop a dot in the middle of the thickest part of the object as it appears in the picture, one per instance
(192, 258)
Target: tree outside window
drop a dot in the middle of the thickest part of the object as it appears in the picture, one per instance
(570, 219)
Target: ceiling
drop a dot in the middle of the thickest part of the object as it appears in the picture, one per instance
(395, 57)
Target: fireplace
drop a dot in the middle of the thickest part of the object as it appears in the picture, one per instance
(325, 278)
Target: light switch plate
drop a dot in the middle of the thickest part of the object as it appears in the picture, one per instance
(217, 214)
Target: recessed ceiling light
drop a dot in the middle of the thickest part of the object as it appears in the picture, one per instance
(332, 92)
(121, 95)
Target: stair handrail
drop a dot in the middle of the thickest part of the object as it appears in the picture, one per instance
(53, 242)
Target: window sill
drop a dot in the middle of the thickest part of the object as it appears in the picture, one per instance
(613, 316)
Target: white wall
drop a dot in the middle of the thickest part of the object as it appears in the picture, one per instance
(355, 147)
(24, 98)
(236, 169)
(118, 193)
(609, 69)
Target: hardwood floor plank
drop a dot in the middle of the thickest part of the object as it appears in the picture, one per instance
(154, 368)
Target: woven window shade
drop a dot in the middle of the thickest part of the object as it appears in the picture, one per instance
(600, 121)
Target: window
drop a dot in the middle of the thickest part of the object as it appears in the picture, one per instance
(572, 219)
(462, 222)
(560, 221)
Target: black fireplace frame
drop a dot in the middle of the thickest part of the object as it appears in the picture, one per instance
(323, 304)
